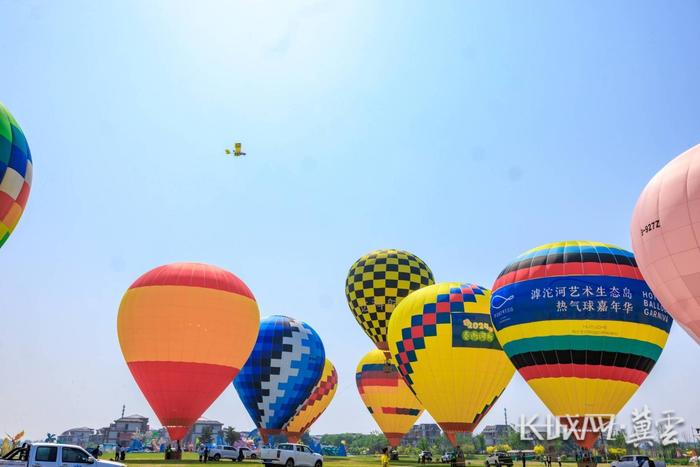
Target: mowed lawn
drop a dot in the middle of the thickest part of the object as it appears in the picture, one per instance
(191, 458)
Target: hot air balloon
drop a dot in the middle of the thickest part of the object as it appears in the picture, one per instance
(582, 327)
(314, 405)
(285, 365)
(665, 238)
(15, 173)
(386, 396)
(445, 348)
(377, 283)
(185, 330)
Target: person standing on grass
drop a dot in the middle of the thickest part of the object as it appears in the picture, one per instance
(384, 458)
(116, 452)
(522, 458)
(459, 457)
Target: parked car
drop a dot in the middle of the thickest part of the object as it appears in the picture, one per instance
(498, 459)
(425, 455)
(637, 461)
(223, 452)
(291, 455)
(53, 455)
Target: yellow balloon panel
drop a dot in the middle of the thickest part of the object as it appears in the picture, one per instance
(574, 328)
(392, 404)
(315, 404)
(566, 396)
(444, 345)
(187, 324)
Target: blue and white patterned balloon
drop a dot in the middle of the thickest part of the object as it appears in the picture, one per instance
(285, 365)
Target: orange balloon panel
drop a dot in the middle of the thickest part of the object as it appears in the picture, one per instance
(185, 330)
(315, 404)
(392, 404)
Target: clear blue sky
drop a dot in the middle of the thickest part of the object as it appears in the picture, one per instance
(465, 132)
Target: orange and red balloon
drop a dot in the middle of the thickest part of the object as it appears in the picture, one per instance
(185, 331)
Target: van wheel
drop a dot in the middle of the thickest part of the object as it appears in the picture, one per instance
(217, 457)
(290, 463)
(253, 456)
(318, 464)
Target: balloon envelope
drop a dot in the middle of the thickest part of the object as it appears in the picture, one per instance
(665, 238)
(581, 326)
(15, 173)
(444, 346)
(285, 365)
(392, 404)
(314, 405)
(185, 330)
(376, 284)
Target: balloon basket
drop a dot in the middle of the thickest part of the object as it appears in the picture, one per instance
(173, 456)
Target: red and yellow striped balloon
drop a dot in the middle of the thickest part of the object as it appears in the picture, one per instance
(386, 396)
(185, 330)
(315, 404)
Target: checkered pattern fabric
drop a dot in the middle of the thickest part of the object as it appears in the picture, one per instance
(15, 173)
(377, 282)
(322, 389)
(285, 365)
(425, 325)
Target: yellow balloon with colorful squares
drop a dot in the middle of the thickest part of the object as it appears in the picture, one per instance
(444, 345)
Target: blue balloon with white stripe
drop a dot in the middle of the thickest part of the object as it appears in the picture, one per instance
(285, 365)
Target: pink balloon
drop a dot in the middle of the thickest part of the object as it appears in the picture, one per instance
(666, 238)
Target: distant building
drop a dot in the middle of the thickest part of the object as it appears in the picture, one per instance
(99, 437)
(125, 429)
(496, 434)
(216, 427)
(428, 431)
(80, 436)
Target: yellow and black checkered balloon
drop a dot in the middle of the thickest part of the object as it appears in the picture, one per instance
(377, 282)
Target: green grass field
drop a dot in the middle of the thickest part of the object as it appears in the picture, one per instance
(191, 458)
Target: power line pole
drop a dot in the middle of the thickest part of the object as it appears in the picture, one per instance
(123, 408)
